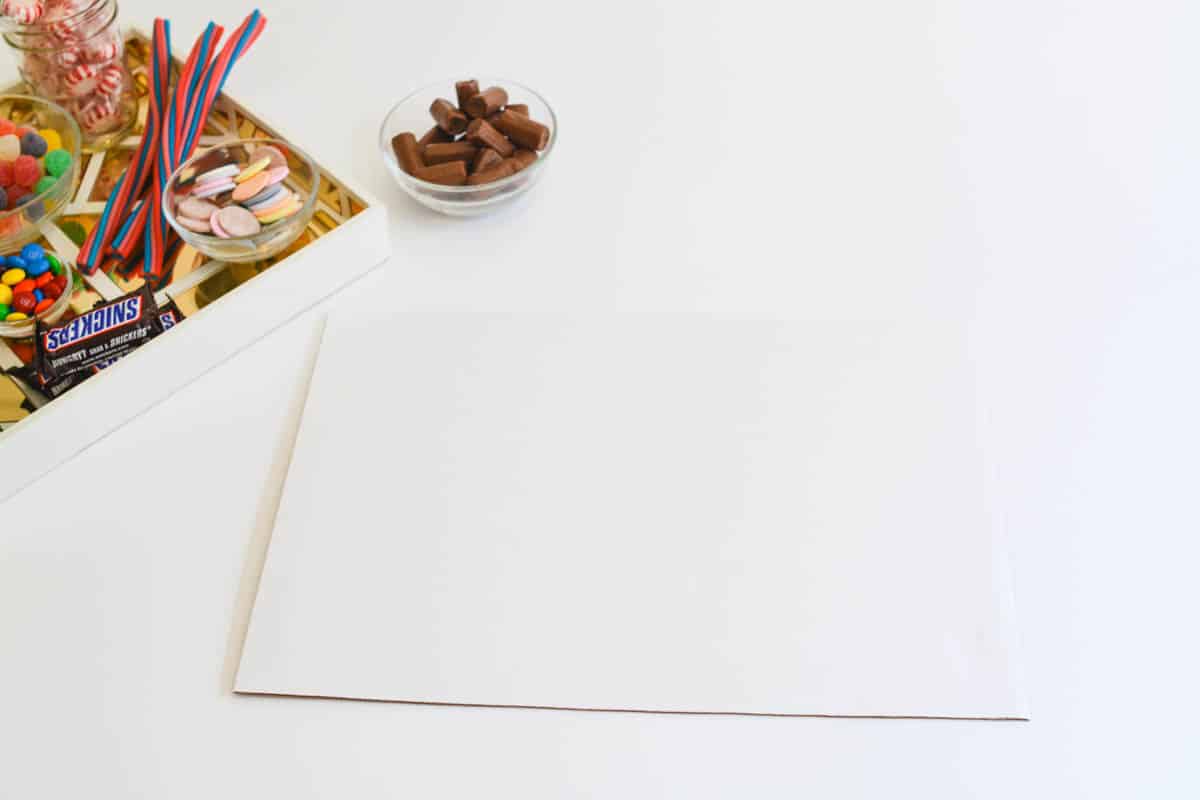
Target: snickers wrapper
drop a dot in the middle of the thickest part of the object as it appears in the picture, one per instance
(170, 315)
(96, 338)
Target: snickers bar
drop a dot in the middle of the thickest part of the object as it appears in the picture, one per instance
(107, 332)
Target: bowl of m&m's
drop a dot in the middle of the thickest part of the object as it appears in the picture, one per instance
(39, 166)
(243, 200)
(34, 285)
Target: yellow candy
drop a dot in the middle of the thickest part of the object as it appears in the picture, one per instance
(252, 170)
(286, 211)
(13, 276)
(5, 294)
(53, 140)
(15, 316)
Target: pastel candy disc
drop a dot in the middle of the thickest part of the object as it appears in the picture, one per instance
(197, 225)
(195, 208)
(251, 187)
(237, 221)
(253, 169)
(226, 171)
(212, 188)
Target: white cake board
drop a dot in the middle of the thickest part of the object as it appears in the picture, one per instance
(643, 512)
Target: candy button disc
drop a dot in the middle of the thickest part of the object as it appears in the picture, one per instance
(238, 222)
(253, 169)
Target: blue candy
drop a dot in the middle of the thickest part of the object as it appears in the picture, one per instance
(18, 262)
(38, 294)
(37, 267)
(32, 144)
(33, 251)
(3, 261)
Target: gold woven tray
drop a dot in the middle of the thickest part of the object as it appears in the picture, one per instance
(196, 281)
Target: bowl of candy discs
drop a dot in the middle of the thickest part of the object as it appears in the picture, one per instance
(34, 285)
(39, 166)
(244, 200)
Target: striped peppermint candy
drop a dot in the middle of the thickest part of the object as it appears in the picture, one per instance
(110, 80)
(25, 12)
(81, 80)
(98, 114)
(68, 57)
(100, 51)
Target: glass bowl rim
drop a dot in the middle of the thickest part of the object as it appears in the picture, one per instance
(385, 143)
(306, 210)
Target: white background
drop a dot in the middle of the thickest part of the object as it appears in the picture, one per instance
(1027, 168)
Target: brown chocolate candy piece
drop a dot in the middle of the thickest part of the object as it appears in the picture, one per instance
(449, 151)
(522, 158)
(518, 108)
(523, 131)
(486, 158)
(484, 135)
(408, 153)
(489, 101)
(450, 173)
(465, 90)
(448, 118)
(434, 135)
(501, 170)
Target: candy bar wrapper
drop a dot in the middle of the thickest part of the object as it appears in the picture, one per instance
(96, 338)
(170, 315)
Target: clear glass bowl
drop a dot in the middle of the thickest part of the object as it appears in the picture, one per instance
(412, 114)
(24, 328)
(304, 180)
(20, 225)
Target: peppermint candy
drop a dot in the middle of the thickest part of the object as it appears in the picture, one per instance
(81, 80)
(98, 114)
(26, 12)
(110, 80)
(68, 57)
(101, 51)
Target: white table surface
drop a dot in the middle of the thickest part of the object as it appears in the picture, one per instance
(1028, 168)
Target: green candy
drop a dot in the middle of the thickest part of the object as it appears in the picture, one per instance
(74, 231)
(57, 162)
(44, 183)
(56, 266)
(3, 311)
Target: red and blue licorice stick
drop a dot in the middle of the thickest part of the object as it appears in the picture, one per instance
(168, 149)
(197, 111)
(129, 186)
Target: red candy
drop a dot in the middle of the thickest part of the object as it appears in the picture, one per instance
(27, 285)
(24, 302)
(60, 282)
(6, 173)
(26, 171)
(51, 290)
(42, 306)
(15, 195)
(6, 126)
(43, 279)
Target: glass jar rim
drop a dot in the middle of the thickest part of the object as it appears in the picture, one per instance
(29, 38)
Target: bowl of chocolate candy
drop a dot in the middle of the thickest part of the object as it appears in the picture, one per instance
(244, 200)
(466, 147)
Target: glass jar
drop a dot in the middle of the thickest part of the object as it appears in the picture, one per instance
(74, 55)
